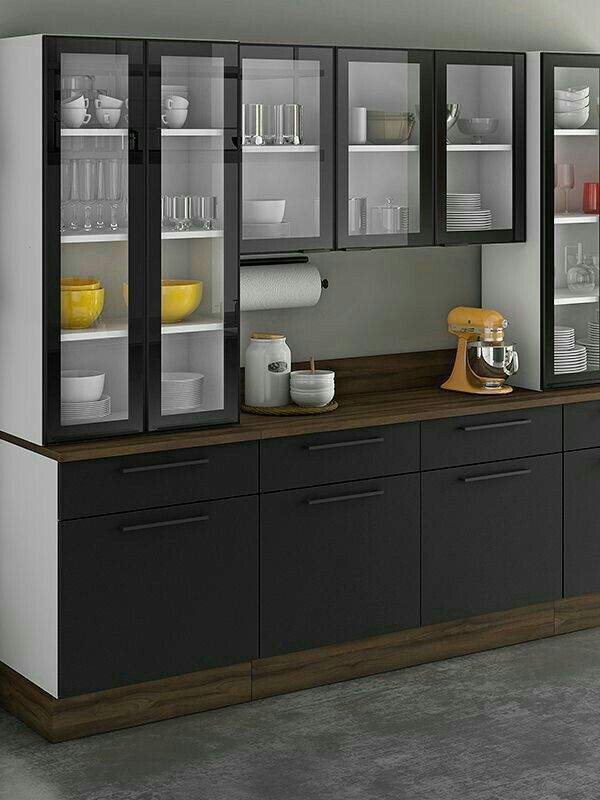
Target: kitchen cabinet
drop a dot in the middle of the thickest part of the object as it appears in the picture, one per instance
(582, 534)
(385, 148)
(338, 563)
(491, 537)
(287, 152)
(582, 425)
(148, 594)
(480, 147)
(548, 287)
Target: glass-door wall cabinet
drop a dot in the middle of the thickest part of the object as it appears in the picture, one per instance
(94, 237)
(480, 141)
(287, 121)
(570, 217)
(193, 253)
(385, 148)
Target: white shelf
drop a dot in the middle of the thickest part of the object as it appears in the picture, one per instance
(563, 297)
(94, 132)
(193, 234)
(82, 237)
(478, 148)
(574, 219)
(281, 148)
(383, 148)
(191, 131)
(576, 132)
(118, 329)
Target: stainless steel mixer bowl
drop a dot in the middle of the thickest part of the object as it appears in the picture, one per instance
(492, 363)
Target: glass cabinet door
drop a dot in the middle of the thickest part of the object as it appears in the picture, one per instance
(287, 150)
(193, 250)
(385, 148)
(480, 140)
(571, 208)
(94, 237)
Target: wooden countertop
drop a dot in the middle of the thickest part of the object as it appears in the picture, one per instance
(355, 411)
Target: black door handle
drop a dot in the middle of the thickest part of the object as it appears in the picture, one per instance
(343, 497)
(152, 467)
(488, 426)
(515, 473)
(356, 442)
(167, 524)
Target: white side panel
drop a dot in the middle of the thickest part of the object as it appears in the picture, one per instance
(511, 273)
(21, 286)
(29, 565)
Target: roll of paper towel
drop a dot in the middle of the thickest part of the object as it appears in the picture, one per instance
(264, 288)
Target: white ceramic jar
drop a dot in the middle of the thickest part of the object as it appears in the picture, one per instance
(267, 375)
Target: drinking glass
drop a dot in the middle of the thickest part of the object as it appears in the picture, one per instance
(182, 212)
(101, 194)
(114, 188)
(74, 195)
(293, 123)
(566, 181)
(65, 190)
(204, 211)
(88, 190)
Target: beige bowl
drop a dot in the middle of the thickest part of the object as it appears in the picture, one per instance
(389, 127)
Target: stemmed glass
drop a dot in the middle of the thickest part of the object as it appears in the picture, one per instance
(65, 190)
(566, 181)
(101, 194)
(89, 189)
(114, 189)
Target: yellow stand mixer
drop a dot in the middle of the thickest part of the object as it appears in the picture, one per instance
(483, 359)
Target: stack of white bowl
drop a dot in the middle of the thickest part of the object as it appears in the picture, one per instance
(81, 398)
(312, 389)
(568, 356)
(181, 391)
(571, 107)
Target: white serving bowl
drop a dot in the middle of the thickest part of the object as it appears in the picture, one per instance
(571, 105)
(305, 379)
(262, 211)
(81, 385)
(572, 93)
(477, 126)
(314, 398)
(571, 119)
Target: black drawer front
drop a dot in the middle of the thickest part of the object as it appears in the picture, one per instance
(338, 456)
(155, 593)
(491, 537)
(582, 522)
(489, 437)
(338, 563)
(582, 425)
(152, 480)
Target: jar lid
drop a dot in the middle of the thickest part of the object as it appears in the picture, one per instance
(267, 336)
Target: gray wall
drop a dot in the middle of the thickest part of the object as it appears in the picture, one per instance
(378, 302)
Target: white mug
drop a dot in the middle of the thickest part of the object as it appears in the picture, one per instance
(174, 101)
(174, 117)
(104, 101)
(79, 101)
(74, 117)
(108, 117)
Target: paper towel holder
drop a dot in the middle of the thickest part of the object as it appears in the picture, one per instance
(271, 261)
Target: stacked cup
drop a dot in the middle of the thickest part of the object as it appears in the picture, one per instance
(108, 110)
(175, 111)
(73, 112)
(312, 388)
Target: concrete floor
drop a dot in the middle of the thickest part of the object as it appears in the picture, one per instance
(521, 723)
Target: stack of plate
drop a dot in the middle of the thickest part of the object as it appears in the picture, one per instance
(568, 356)
(73, 413)
(181, 391)
(592, 345)
(464, 213)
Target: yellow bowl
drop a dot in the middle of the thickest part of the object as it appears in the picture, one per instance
(79, 309)
(79, 284)
(179, 298)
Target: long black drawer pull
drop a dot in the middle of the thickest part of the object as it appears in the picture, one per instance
(343, 497)
(513, 474)
(167, 524)
(152, 467)
(491, 425)
(334, 445)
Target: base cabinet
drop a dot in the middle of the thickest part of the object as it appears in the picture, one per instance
(582, 526)
(491, 537)
(148, 594)
(338, 563)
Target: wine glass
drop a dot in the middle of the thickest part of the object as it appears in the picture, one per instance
(74, 195)
(101, 194)
(114, 188)
(65, 190)
(566, 181)
(88, 189)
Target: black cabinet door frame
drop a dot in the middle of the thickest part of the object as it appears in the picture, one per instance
(53, 48)
(325, 55)
(444, 58)
(424, 58)
(155, 50)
